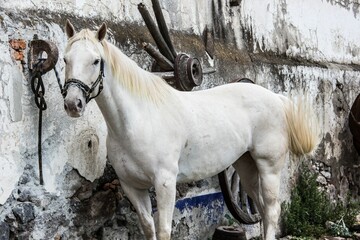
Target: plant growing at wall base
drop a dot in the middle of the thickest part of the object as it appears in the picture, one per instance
(310, 208)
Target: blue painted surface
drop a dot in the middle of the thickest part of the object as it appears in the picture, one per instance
(206, 209)
(203, 210)
(210, 201)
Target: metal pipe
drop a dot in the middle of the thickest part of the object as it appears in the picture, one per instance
(155, 33)
(163, 62)
(162, 25)
(165, 75)
(208, 70)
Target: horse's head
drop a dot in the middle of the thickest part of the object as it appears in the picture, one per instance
(84, 69)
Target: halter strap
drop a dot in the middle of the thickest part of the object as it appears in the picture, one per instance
(85, 88)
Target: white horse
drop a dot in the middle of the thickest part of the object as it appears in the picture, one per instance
(158, 136)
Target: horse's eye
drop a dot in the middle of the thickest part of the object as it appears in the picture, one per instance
(65, 61)
(96, 62)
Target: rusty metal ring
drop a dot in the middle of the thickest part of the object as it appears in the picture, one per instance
(37, 47)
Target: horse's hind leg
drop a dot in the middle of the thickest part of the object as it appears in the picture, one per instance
(249, 176)
(269, 175)
(141, 202)
(260, 178)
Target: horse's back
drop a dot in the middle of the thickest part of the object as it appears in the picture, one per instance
(238, 101)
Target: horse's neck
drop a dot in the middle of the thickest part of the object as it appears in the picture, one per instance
(121, 107)
(115, 105)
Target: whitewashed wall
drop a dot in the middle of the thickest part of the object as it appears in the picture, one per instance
(323, 31)
(286, 46)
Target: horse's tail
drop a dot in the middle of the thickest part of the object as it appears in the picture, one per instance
(303, 127)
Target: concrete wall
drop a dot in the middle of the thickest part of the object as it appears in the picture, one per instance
(285, 46)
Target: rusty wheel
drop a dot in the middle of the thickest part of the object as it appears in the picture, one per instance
(188, 72)
(240, 205)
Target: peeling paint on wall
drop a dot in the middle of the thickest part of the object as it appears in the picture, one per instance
(323, 32)
(289, 47)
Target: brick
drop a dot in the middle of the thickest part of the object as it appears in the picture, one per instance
(18, 56)
(17, 44)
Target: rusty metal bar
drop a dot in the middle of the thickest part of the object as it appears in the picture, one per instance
(209, 70)
(165, 75)
(209, 41)
(162, 25)
(162, 61)
(170, 75)
(155, 33)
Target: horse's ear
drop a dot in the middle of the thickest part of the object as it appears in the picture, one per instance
(69, 29)
(101, 33)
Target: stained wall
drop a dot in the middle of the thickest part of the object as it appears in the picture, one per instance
(289, 47)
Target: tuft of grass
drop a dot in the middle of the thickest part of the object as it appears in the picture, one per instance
(310, 208)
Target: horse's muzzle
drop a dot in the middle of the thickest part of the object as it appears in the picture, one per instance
(74, 108)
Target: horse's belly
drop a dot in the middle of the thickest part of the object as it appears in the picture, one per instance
(203, 167)
(204, 159)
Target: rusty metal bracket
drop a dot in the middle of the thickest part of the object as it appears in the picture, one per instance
(209, 41)
(37, 61)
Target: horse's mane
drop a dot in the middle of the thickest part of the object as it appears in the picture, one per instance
(135, 79)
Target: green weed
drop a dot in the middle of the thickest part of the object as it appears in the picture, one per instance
(310, 208)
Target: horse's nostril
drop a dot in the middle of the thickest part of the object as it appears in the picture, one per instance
(65, 106)
(79, 103)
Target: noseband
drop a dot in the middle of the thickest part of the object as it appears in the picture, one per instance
(85, 88)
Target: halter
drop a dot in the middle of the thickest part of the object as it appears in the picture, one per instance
(85, 88)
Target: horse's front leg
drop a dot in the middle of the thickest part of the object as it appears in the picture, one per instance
(165, 187)
(141, 202)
